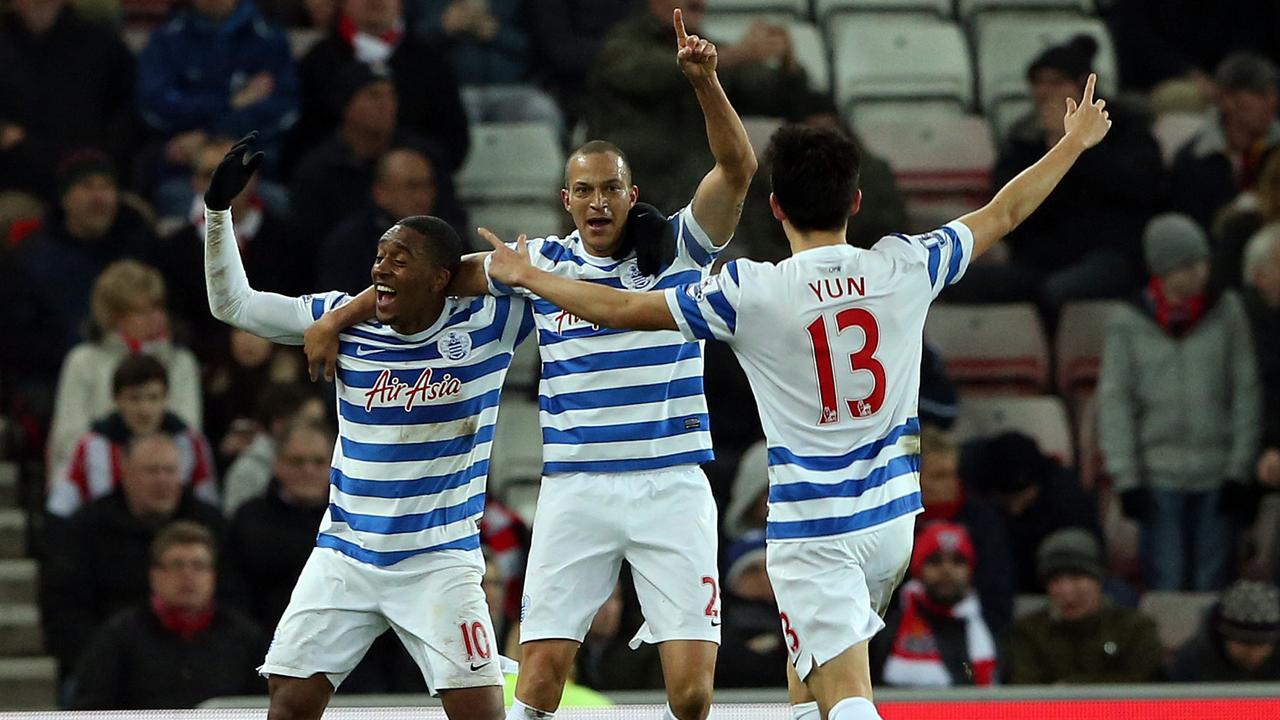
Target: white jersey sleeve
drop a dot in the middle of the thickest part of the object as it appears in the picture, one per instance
(692, 241)
(943, 253)
(543, 254)
(708, 310)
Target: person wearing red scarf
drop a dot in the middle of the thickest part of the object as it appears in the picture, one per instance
(936, 636)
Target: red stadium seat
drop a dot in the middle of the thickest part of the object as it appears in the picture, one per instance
(1042, 418)
(1078, 345)
(1000, 346)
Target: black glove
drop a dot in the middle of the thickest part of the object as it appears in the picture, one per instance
(233, 173)
(1135, 503)
(649, 234)
(1239, 500)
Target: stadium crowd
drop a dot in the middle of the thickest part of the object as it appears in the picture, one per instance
(185, 465)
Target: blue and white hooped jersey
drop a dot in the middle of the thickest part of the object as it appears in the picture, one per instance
(619, 400)
(415, 418)
(831, 340)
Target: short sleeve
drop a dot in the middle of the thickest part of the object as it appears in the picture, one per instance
(945, 252)
(708, 309)
(312, 307)
(692, 241)
(538, 257)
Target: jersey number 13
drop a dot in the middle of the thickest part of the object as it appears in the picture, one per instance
(862, 360)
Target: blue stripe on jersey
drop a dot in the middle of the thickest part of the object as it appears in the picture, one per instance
(935, 259)
(618, 359)
(420, 415)
(617, 397)
(696, 252)
(464, 314)
(555, 252)
(418, 353)
(415, 522)
(724, 310)
(419, 451)
(542, 307)
(501, 287)
(684, 277)
(317, 307)
(365, 379)
(364, 335)
(732, 268)
(794, 492)
(526, 325)
(826, 527)
(546, 337)
(626, 431)
(957, 254)
(693, 316)
(383, 559)
(820, 463)
(430, 485)
(693, 457)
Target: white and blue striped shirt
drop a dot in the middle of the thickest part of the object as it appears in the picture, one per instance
(619, 400)
(831, 340)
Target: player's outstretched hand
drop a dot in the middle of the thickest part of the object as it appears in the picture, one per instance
(507, 266)
(696, 56)
(320, 343)
(1088, 121)
(233, 173)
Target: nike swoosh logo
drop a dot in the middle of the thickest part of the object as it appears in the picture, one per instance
(362, 350)
(715, 623)
(475, 667)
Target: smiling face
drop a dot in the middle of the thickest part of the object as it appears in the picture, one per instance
(408, 283)
(598, 194)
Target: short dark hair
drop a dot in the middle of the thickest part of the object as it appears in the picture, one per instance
(439, 238)
(1247, 72)
(281, 401)
(813, 173)
(596, 147)
(300, 426)
(138, 370)
(182, 532)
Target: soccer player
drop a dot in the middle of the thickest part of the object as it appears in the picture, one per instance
(624, 418)
(830, 340)
(418, 394)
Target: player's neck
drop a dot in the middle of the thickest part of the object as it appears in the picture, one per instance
(421, 321)
(801, 241)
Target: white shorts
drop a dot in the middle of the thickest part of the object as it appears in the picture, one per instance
(662, 522)
(832, 592)
(433, 601)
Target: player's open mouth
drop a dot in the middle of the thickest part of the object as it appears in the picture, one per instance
(385, 295)
(599, 224)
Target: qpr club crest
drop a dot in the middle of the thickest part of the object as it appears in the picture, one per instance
(632, 279)
(455, 345)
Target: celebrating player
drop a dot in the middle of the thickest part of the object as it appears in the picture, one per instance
(624, 418)
(417, 400)
(830, 340)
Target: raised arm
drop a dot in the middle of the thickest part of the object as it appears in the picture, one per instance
(717, 204)
(591, 302)
(231, 300)
(1086, 125)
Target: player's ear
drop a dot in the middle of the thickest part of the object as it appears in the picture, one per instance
(564, 198)
(776, 209)
(857, 203)
(635, 195)
(440, 278)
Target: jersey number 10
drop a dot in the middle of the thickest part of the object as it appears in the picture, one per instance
(863, 359)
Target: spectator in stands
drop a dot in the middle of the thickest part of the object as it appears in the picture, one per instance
(935, 636)
(567, 36)
(1034, 494)
(1052, 261)
(216, 68)
(1179, 412)
(939, 401)
(373, 32)
(129, 318)
(276, 257)
(637, 97)
(279, 406)
(96, 565)
(1237, 641)
(1262, 304)
(1081, 637)
(403, 184)
(946, 500)
(283, 519)
(749, 495)
(488, 42)
(1239, 222)
(752, 650)
(52, 271)
(64, 83)
(333, 180)
(140, 389)
(1227, 154)
(179, 648)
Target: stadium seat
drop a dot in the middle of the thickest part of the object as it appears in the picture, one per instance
(1000, 345)
(809, 47)
(1043, 418)
(967, 9)
(517, 443)
(509, 219)
(1078, 345)
(759, 130)
(1173, 130)
(885, 56)
(1092, 469)
(512, 161)
(1005, 113)
(932, 149)
(799, 8)
(1007, 43)
(824, 9)
(1177, 614)
(1028, 604)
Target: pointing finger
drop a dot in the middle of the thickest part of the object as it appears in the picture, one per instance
(677, 17)
(493, 239)
(1088, 88)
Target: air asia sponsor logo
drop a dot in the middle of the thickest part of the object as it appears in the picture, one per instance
(566, 320)
(390, 391)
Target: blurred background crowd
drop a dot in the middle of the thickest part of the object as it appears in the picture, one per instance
(1100, 457)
